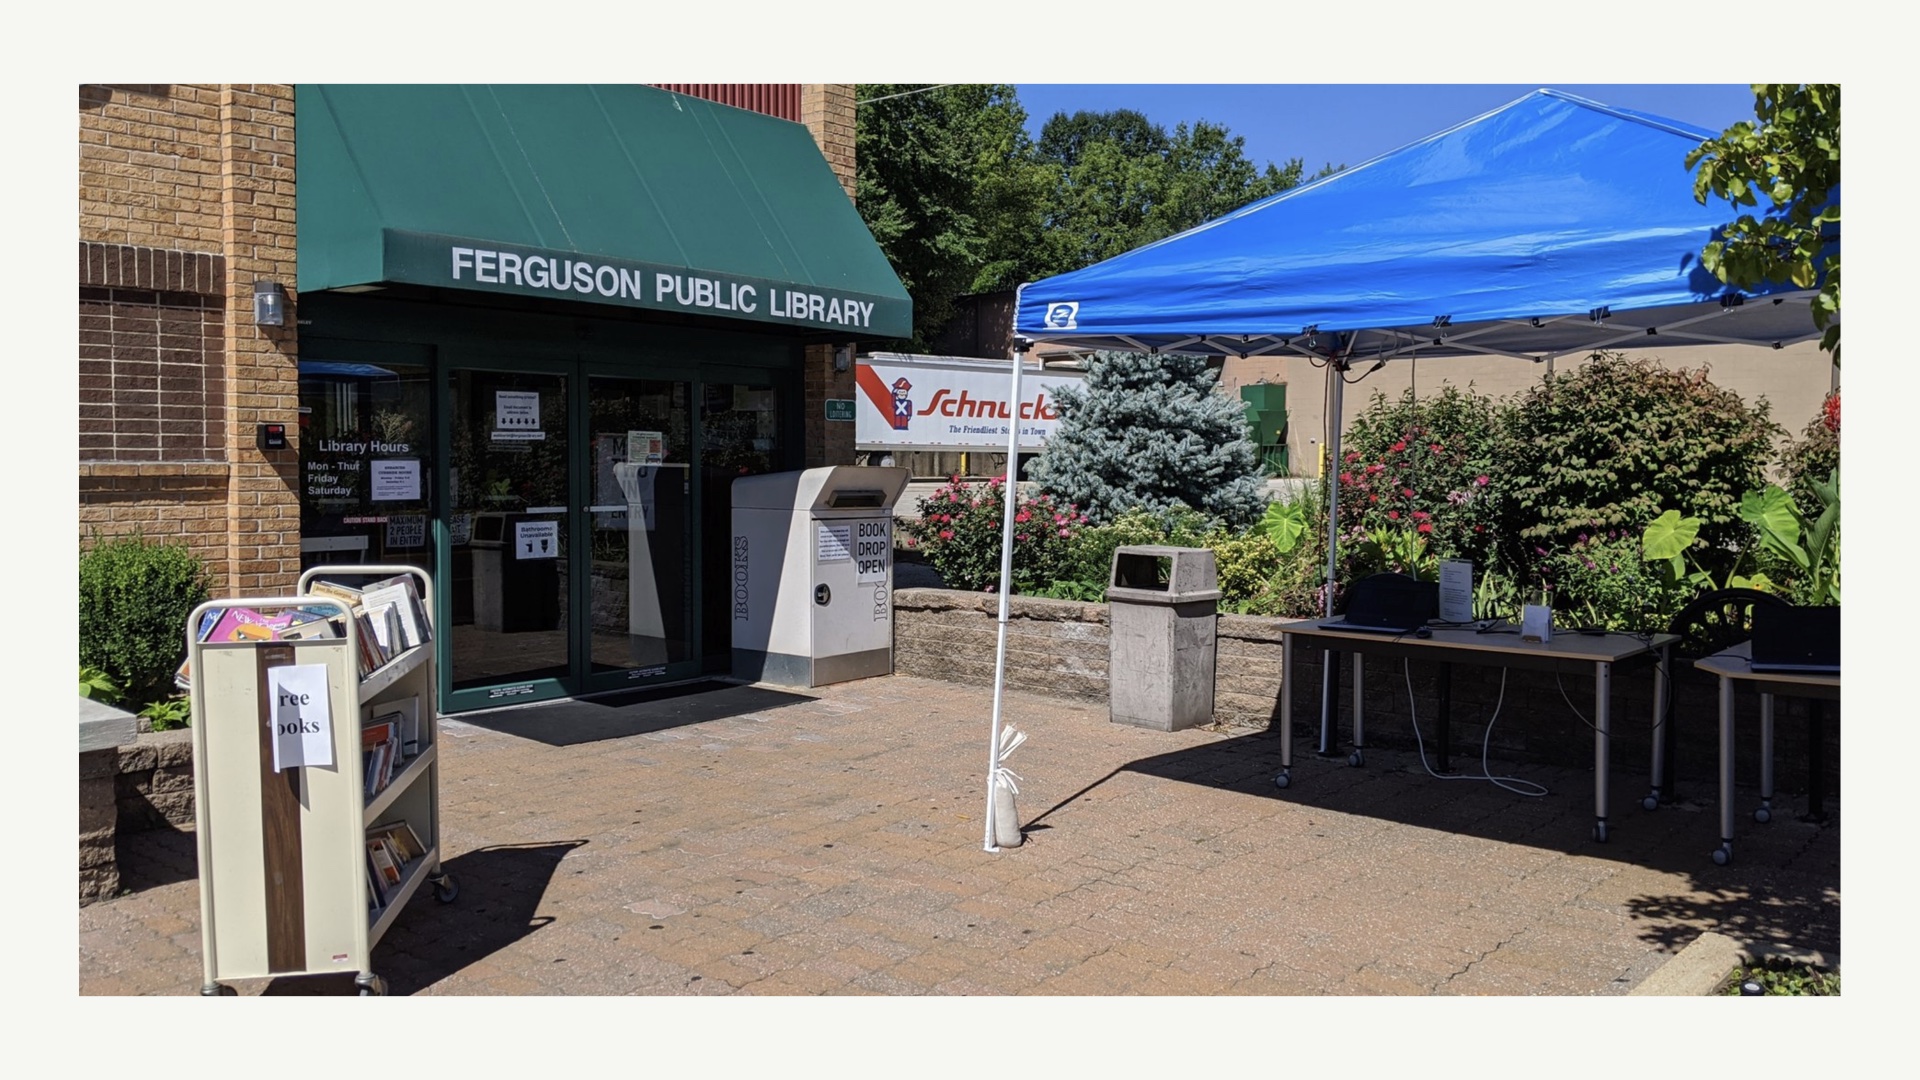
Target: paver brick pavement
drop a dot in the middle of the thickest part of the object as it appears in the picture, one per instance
(749, 840)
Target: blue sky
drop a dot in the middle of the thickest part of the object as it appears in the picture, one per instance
(1347, 124)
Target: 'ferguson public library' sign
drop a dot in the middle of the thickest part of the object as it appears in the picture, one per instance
(425, 259)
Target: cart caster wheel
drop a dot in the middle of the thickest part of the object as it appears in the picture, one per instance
(1600, 832)
(1282, 780)
(373, 987)
(219, 990)
(1723, 855)
(1650, 803)
(445, 890)
(1763, 815)
(1356, 759)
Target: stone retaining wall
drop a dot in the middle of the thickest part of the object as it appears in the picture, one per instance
(1059, 648)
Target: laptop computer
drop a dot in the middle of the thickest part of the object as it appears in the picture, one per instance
(1796, 639)
(1388, 604)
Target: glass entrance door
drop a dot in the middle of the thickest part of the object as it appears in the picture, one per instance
(639, 602)
(510, 525)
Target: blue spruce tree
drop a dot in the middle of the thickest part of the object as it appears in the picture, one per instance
(1150, 431)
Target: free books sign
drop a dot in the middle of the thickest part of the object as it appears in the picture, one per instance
(945, 403)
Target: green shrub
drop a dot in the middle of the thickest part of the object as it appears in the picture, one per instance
(168, 714)
(1609, 445)
(1814, 457)
(94, 684)
(1605, 581)
(135, 597)
(960, 533)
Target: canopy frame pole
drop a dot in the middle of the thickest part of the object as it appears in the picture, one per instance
(1006, 579)
(1337, 366)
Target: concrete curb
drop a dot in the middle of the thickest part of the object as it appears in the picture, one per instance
(1700, 968)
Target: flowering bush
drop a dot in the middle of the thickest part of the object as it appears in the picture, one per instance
(959, 533)
(1417, 483)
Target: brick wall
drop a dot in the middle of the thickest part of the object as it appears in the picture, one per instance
(828, 112)
(827, 109)
(1060, 648)
(186, 198)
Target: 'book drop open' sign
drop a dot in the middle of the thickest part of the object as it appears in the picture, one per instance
(301, 716)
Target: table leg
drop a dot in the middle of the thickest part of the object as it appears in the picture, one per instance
(1602, 744)
(1286, 711)
(1724, 853)
(1662, 723)
(1358, 757)
(1329, 700)
(1765, 813)
(1445, 723)
(1816, 761)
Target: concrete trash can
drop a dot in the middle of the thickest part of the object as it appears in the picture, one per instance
(1162, 603)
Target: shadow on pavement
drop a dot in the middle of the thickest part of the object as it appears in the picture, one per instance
(1783, 885)
(500, 891)
(613, 716)
(150, 858)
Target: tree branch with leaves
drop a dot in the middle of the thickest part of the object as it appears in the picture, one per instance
(1788, 155)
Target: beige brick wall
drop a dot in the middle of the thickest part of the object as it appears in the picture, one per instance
(187, 191)
(828, 112)
(150, 166)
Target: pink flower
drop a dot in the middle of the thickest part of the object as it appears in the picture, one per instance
(1064, 532)
(1399, 446)
(1393, 515)
(946, 534)
(1346, 478)
(1426, 527)
(1023, 516)
(1436, 448)
(1483, 479)
(1022, 537)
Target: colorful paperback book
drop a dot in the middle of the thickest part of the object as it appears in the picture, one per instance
(246, 624)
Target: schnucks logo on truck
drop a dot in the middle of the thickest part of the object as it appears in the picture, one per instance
(944, 403)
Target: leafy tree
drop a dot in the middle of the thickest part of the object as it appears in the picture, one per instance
(1123, 182)
(948, 184)
(1790, 155)
(962, 201)
(1150, 431)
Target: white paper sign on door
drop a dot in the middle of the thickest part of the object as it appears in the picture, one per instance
(396, 479)
(536, 540)
(516, 410)
(302, 716)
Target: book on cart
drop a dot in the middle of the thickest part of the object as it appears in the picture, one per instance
(404, 714)
(380, 754)
(403, 597)
(400, 837)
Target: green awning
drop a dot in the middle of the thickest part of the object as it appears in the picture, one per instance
(620, 195)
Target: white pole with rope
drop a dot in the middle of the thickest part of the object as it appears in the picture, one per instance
(1006, 580)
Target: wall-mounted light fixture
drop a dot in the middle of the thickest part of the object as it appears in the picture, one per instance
(269, 304)
(843, 358)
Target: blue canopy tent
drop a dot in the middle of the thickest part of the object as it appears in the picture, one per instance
(1549, 226)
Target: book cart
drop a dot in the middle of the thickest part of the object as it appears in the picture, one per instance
(289, 879)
